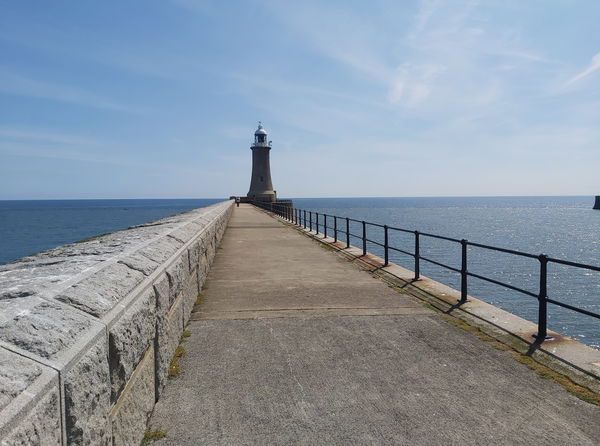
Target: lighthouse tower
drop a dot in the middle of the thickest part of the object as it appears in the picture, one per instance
(261, 187)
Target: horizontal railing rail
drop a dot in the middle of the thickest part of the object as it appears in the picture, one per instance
(323, 223)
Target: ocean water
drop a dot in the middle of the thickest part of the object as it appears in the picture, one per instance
(560, 227)
(31, 226)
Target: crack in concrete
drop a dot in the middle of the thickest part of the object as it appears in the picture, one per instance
(128, 265)
(175, 238)
(302, 403)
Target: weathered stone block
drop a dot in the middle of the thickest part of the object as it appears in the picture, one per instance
(169, 329)
(129, 415)
(40, 426)
(129, 338)
(203, 269)
(100, 292)
(163, 295)
(140, 263)
(189, 295)
(203, 242)
(29, 402)
(185, 259)
(210, 233)
(177, 275)
(161, 250)
(210, 252)
(187, 232)
(87, 398)
(194, 256)
(42, 328)
(16, 375)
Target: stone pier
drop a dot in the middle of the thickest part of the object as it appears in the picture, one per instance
(293, 344)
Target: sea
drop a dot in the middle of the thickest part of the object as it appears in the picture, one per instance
(31, 226)
(560, 227)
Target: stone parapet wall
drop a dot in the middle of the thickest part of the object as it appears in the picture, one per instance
(87, 330)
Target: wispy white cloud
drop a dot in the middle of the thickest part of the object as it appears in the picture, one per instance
(28, 142)
(339, 34)
(285, 86)
(237, 132)
(414, 84)
(16, 84)
(426, 10)
(520, 54)
(441, 63)
(19, 134)
(593, 66)
(33, 150)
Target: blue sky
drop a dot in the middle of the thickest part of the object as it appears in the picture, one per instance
(160, 99)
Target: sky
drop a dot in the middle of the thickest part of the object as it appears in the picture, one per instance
(160, 99)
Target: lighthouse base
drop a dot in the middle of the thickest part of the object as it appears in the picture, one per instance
(266, 198)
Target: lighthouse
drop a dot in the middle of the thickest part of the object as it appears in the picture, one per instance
(261, 187)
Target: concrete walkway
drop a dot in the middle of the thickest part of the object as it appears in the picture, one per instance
(294, 345)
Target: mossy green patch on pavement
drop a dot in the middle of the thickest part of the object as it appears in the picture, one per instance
(151, 436)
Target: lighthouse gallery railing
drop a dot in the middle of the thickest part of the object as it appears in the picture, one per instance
(310, 220)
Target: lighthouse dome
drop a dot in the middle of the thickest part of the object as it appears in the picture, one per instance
(260, 137)
(260, 130)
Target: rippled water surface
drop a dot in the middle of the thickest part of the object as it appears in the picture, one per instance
(561, 227)
(31, 226)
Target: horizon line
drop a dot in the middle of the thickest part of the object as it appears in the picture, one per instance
(300, 198)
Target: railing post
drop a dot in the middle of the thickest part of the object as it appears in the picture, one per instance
(417, 256)
(542, 303)
(364, 238)
(334, 229)
(347, 232)
(304, 219)
(385, 246)
(317, 224)
(463, 273)
(324, 225)
(310, 220)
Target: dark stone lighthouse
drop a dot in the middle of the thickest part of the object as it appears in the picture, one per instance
(261, 187)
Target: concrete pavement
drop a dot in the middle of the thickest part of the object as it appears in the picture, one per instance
(294, 345)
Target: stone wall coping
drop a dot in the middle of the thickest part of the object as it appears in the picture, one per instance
(149, 280)
(66, 320)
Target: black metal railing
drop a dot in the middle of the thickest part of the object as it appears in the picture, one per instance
(305, 219)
